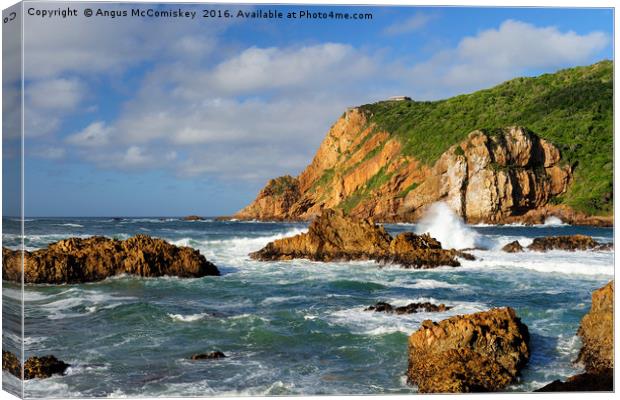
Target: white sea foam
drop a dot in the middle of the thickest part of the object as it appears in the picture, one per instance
(447, 227)
(379, 323)
(187, 318)
(70, 225)
(553, 221)
(279, 299)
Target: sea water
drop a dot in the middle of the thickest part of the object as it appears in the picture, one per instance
(293, 327)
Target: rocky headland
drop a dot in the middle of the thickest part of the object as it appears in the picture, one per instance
(332, 236)
(34, 367)
(597, 353)
(479, 352)
(77, 260)
(390, 160)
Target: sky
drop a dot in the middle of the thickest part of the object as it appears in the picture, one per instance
(168, 117)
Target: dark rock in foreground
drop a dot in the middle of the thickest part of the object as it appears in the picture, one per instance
(597, 354)
(34, 367)
(569, 243)
(93, 259)
(208, 356)
(479, 352)
(409, 308)
(334, 237)
(586, 382)
(513, 247)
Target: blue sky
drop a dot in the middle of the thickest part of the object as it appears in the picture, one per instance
(141, 117)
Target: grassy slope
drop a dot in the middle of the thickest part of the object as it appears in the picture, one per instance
(572, 108)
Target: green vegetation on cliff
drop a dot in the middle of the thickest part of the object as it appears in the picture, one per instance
(572, 108)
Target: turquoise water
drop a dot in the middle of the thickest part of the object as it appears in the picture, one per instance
(293, 327)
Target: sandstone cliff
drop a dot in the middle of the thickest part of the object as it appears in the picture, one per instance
(491, 177)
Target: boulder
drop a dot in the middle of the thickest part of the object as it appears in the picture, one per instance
(597, 353)
(77, 260)
(478, 352)
(513, 247)
(569, 243)
(34, 367)
(408, 309)
(332, 236)
(214, 355)
(597, 331)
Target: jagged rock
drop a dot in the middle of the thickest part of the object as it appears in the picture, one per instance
(11, 363)
(597, 331)
(408, 309)
(208, 356)
(333, 236)
(597, 353)
(43, 367)
(570, 243)
(468, 353)
(34, 367)
(77, 260)
(193, 218)
(513, 247)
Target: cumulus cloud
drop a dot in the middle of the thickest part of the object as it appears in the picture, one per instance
(498, 54)
(55, 94)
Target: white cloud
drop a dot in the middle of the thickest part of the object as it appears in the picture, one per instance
(55, 94)
(412, 24)
(495, 55)
(95, 135)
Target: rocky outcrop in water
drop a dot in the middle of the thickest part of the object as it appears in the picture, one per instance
(193, 218)
(77, 260)
(214, 355)
(568, 243)
(597, 353)
(513, 247)
(334, 237)
(478, 352)
(34, 367)
(408, 309)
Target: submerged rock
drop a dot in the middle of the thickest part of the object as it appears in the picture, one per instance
(513, 247)
(334, 237)
(569, 242)
(208, 356)
(34, 367)
(478, 352)
(597, 353)
(77, 260)
(409, 308)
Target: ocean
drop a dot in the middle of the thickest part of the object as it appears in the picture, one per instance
(288, 328)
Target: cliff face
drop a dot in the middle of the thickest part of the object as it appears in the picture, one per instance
(488, 177)
(548, 152)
